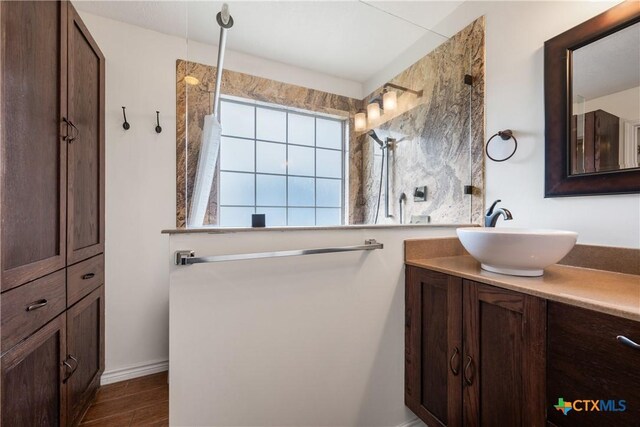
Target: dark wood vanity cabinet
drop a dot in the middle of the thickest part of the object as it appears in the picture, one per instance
(474, 354)
(585, 361)
(433, 346)
(51, 214)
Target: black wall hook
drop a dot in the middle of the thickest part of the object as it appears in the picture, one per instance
(126, 124)
(158, 128)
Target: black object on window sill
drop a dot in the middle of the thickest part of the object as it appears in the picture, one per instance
(257, 220)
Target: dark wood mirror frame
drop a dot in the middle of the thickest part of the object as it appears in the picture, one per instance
(557, 101)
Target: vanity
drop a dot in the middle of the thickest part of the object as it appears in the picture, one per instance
(483, 348)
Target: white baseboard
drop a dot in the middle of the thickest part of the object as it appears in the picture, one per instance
(416, 422)
(135, 371)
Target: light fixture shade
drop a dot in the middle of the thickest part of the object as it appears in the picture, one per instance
(390, 101)
(373, 111)
(190, 80)
(360, 121)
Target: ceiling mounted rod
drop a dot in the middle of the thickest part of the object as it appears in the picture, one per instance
(225, 21)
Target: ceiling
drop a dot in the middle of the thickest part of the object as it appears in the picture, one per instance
(352, 40)
(609, 65)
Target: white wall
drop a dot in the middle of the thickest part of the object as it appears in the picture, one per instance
(515, 36)
(306, 341)
(141, 176)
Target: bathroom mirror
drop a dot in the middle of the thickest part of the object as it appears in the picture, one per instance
(592, 103)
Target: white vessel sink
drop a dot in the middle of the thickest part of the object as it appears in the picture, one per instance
(516, 251)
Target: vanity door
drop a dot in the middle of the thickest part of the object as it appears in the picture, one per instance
(433, 346)
(503, 367)
(592, 357)
(85, 198)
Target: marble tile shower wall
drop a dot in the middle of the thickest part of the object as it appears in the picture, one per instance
(443, 133)
(440, 138)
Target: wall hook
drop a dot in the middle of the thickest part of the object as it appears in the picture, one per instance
(126, 124)
(158, 128)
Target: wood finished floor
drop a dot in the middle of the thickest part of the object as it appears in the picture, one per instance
(141, 401)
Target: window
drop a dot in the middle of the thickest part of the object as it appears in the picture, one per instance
(286, 164)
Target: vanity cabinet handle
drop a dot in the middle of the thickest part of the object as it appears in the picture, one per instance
(88, 276)
(468, 379)
(455, 370)
(37, 304)
(68, 365)
(626, 341)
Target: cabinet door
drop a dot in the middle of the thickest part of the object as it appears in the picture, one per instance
(433, 346)
(85, 205)
(32, 379)
(504, 357)
(85, 346)
(587, 362)
(33, 154)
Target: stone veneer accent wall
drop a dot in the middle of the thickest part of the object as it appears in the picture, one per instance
(442, 133)
(441, 137)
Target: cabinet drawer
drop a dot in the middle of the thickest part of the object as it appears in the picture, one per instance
(84, 277)
(586, 362)
(27, 308)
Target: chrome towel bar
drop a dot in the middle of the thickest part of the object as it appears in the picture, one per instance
(186, 257)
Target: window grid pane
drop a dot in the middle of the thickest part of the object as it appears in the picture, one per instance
(299, 173)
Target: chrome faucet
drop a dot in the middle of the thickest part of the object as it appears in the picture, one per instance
(491, 217)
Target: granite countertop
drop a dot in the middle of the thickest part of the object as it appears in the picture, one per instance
(603, 291)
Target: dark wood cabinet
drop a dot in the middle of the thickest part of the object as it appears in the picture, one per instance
(51, 214)
(85, 210)
(33, 392)
(433, 346)
(595, 142)
(33, 154)
(85, 343)
(586, 362)
(474, 354)
(504, 357)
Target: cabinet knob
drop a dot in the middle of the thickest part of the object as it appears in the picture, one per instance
(626, 341)
(88, 276)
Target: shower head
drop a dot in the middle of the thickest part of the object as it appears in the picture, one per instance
(374, 136)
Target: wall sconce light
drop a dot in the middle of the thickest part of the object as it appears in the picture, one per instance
(388, 101)
(360, 121)
(373, 111)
